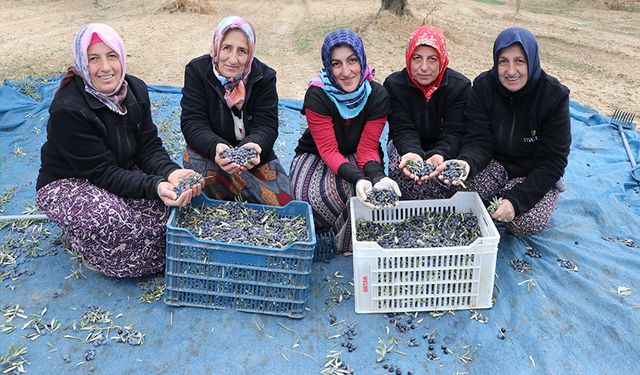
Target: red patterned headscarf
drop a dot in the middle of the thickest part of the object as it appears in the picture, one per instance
(432, 37)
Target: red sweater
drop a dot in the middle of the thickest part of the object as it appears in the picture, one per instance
(333, 138)
(321, 128)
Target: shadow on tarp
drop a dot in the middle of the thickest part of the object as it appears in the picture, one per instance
(569, 322)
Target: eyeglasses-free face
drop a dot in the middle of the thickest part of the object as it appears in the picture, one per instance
(234, 54)
(512, 68)
(345, 68)
(105, 69)
(425, 65)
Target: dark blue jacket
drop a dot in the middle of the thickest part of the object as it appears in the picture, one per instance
(528, 132)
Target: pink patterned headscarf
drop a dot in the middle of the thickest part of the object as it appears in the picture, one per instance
(113, 100)
(431, 37)
(234, 86)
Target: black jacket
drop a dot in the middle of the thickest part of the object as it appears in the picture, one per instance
(87, 140)
(528, 132)
(206, 120)
(427, 128)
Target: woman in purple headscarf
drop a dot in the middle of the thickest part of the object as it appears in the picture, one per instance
(518, 134)
(340, 153)
(105, 178)
(229, 100)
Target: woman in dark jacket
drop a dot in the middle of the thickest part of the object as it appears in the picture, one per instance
(105, 177)
(230, 101)
(519, 128)
(427, 113)
(346, 112)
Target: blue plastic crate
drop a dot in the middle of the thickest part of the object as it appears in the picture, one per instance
(236, 276)
(325, 246)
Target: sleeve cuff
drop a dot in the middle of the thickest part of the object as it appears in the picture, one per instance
(374, 171)
(350, 173)
(153, 194)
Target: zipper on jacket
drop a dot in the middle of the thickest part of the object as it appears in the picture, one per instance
(422, 119)
(127, 143)
(513, 126)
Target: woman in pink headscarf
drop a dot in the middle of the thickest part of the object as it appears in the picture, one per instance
(105, 178)
(426, 123)
(229, 101)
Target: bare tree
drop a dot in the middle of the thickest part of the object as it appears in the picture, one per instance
(397, 7)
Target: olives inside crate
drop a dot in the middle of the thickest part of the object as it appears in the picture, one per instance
(424, 278)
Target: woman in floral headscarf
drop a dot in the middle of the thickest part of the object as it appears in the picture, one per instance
(340, 151)
(105, 178)
(230, 101)
(427, 118)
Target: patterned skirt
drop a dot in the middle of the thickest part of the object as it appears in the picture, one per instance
(493, 181)
(120, 237)
(430, 189)
(327, 194)
(267, 184)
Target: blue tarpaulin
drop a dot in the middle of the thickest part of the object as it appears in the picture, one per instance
(555, 320)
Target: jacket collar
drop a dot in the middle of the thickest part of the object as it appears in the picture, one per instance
(254, 76)
(131, 102)
(93, 102)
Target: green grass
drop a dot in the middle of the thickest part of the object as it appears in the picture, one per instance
(562, 7)
(596, 23)
(37, 65)
(561, 63)
(634, 8)
(264, 52)
(31, 69)
(303, 45)
(496, 2)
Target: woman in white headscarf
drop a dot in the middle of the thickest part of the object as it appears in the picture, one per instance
(105, 177)
(229, 100)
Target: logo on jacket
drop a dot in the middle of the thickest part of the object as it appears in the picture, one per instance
(534, 137)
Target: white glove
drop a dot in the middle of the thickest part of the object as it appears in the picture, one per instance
(458, 181)
(362, 186)
(388, 184)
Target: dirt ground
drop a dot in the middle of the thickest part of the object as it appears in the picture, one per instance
(593, 50)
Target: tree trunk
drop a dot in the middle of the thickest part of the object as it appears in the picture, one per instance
(397, 7)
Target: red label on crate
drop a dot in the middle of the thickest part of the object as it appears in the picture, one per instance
(365, 284)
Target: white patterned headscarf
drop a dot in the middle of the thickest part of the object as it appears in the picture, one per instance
(113, 100)
(234, 87)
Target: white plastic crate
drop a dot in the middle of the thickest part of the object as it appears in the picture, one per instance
(424, 279)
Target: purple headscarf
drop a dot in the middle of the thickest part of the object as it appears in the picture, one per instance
(349, 104)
